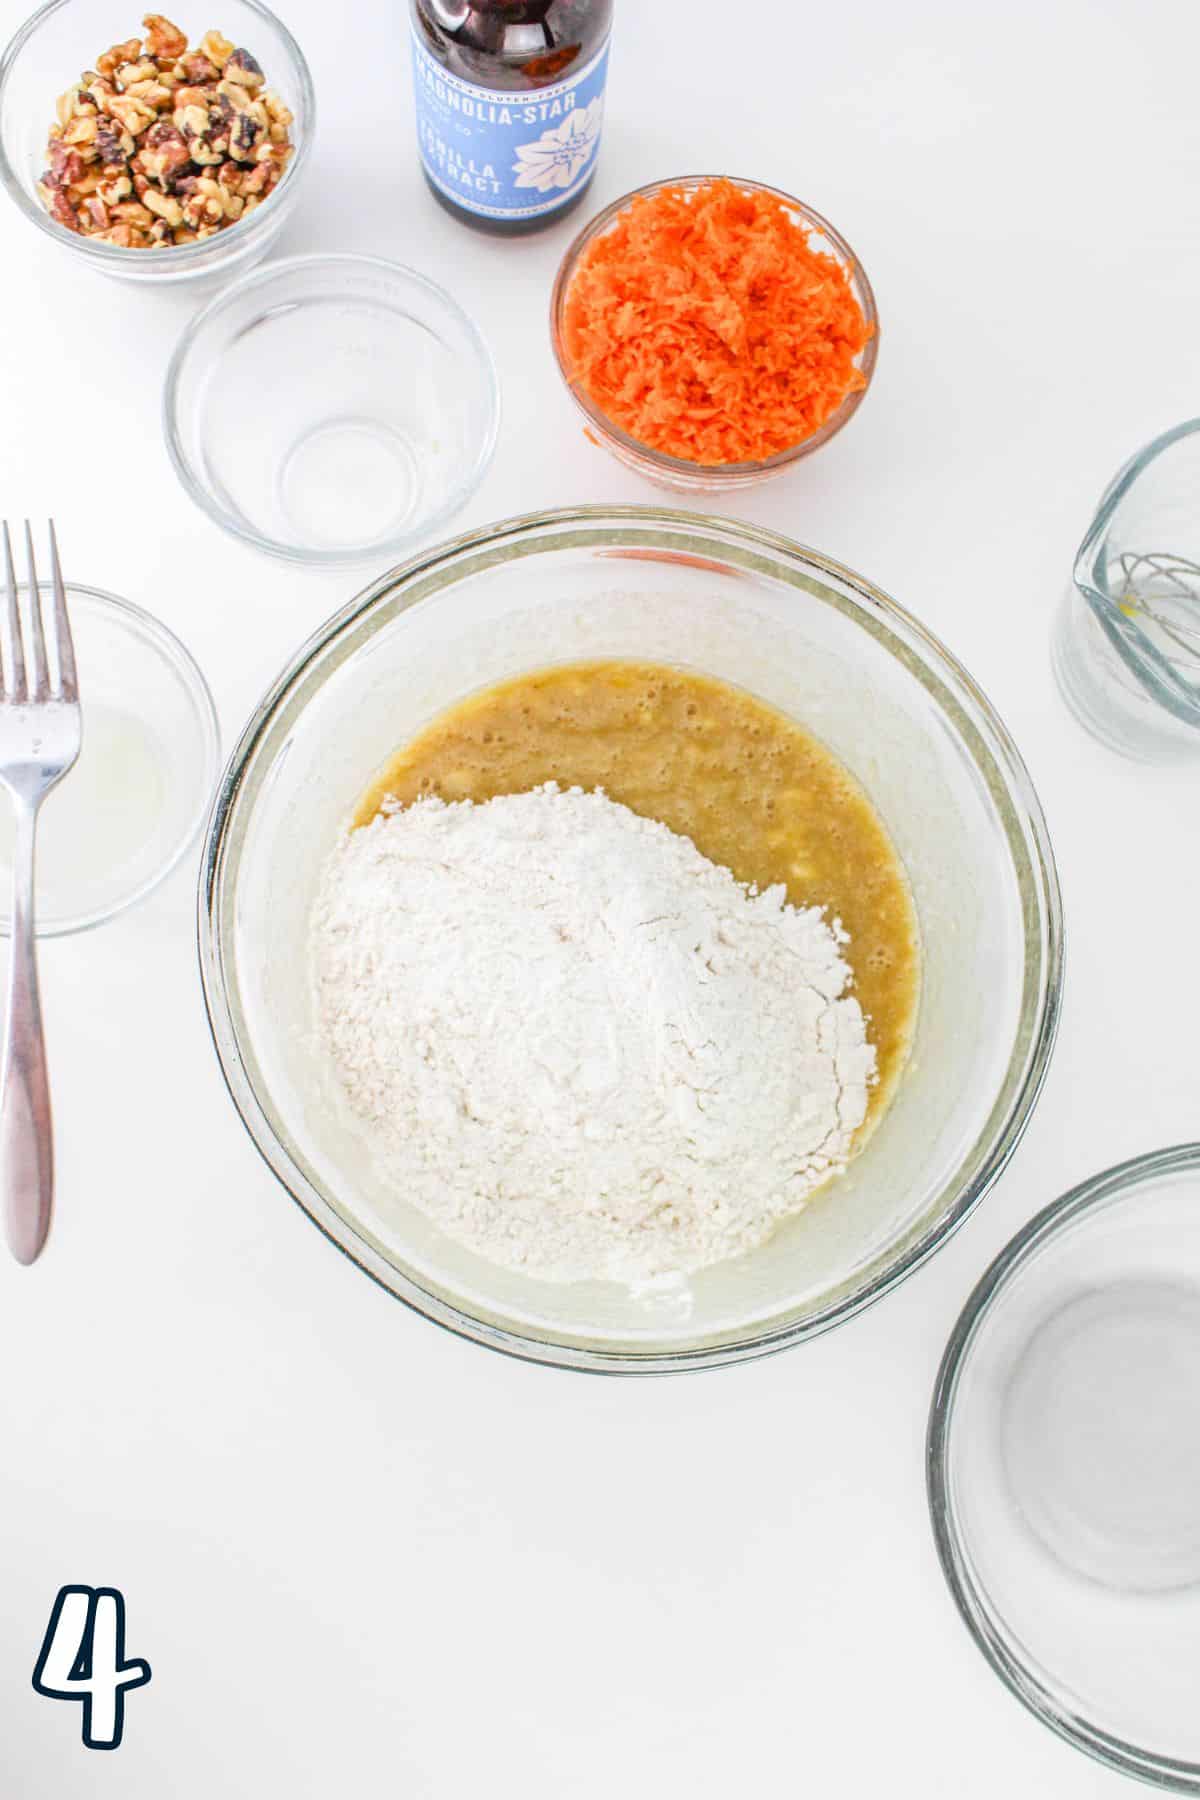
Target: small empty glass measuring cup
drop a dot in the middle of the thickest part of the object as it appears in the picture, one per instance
(1126, 643)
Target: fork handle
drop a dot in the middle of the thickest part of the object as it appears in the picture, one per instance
(26, 1134)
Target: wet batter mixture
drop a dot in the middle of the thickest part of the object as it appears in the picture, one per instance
(751, 789)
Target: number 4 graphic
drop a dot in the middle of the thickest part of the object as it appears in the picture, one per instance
(83, 1658)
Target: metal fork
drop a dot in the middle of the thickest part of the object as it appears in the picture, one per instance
(40, 735)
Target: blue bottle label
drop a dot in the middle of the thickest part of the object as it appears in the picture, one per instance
(508, 155)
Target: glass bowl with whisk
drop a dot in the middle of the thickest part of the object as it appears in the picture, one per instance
(1126, 641)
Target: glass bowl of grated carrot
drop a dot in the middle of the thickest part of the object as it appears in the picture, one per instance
(713, 331)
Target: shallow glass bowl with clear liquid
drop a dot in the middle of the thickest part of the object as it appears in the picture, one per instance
(132, 806)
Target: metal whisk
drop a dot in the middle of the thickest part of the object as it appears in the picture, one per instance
(1161, 593)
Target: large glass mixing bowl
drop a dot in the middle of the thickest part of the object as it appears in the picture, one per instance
(810, 638)
(1063, 1465)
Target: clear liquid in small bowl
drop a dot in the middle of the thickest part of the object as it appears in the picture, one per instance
(100, 830)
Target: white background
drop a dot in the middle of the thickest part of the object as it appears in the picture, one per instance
(363, 1557)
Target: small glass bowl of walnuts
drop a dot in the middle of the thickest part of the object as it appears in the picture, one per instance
(169, 155)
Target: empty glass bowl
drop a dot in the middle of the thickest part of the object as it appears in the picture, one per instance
(49, 53)
(331, 408)
(1064, 1466)
(1127, 638)
(673, 471)
(134, 803)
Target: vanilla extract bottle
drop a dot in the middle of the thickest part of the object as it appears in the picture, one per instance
(510, 101)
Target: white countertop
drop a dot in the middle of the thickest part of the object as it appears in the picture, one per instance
(364, 1557)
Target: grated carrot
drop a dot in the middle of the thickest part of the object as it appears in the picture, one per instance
(705, 325)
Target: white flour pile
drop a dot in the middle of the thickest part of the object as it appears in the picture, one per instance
(577, 1045)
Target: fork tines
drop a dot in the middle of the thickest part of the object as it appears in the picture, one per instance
(27, 676)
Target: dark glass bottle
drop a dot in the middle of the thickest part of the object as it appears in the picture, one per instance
(510, 98)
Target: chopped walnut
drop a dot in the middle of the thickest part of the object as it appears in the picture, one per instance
(187, 94)
(55, 200)
(144, 69)
(132, 212)
(218, 49)
(206, 155)
(191, 120)
(113, 145)
(198, 69)
(114, 189)
(71, 103)
(151, 93)
(163, 153)
(244, 137)
(163, 205)
(255, 182)
(242, 68)
(131, 115)
(273, 158)
(164, 41)
(280, 117)
(159, 144)
(66, 165)
(83, 130)
(108, 64)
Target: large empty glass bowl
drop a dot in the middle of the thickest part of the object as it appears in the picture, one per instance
(1064, 1466)
(803, 634)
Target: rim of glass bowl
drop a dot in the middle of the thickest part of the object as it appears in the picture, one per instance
(229, 521)
(970, 1598)
(173, 256)
(695, 538)
(676, 467)
(163, 640)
